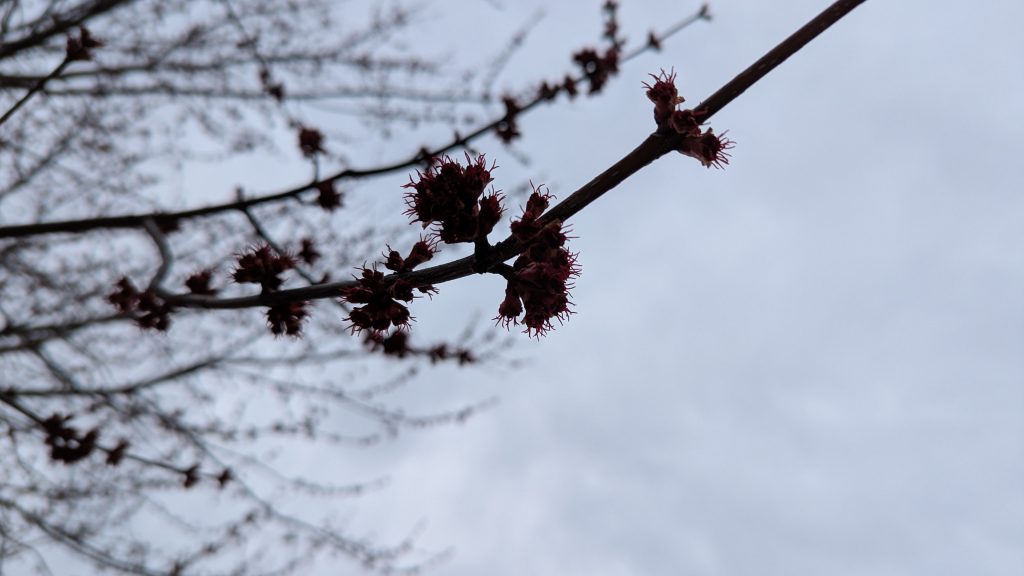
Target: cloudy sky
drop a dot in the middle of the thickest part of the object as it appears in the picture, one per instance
(808, 363)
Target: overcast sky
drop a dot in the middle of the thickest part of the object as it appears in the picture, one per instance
(808, 363)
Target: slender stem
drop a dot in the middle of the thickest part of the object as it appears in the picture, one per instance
(36, 88)
(774, 57)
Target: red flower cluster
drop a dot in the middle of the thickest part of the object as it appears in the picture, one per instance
(150, 310)
(329, 197)
(507, 129)
(597, 68)
(664, 95)
(380, 298)
(199, 283)
(66, 443)
(80, 48)
(448, 195)
(263, 266)
(420, 253)
(308, 252)
(540, 279)
(706, 146)
(287, 318)
(311, 141)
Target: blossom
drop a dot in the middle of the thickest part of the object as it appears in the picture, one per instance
(540, 279)
(262, 265)
(448, 196)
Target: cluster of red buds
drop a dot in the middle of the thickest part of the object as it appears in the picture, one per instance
(150, 310)
(287, 318)
(328, 197)
(262, 265)
(710, 148)
(397, 344)
(66, 443)
(540, 279)
(507, 128)
(451, 198)
(80, 47)
(381, 300)
(199, 283)
(273, 89)
(311, 141)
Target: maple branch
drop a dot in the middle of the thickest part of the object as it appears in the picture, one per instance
(653, 147)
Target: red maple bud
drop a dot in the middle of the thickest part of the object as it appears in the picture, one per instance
(664, 95)
(507, 129)
(116, 454)
(80, 48)
(597, 68)
(393, 260)
(308, 252)
(569, 85)
(328, 196)
(125, 297)
(547, 91)
(262, 265)
(199, 283)
(66, 443)
(287, 318)
(150, 311)
(489, 215)
(190, 477)
(653, 41)
(709, 148)
(511, 307)
(395, 344)
(311, 141)
(154, 312)
(421, 252)
(685, 122)
(527, 227)
(537, 203)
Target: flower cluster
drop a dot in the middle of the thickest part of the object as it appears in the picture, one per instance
(308, 252)
(311, 141)
(80, 48)
(540, 279)
(199, 283)
(66, 443)
(381, 301)
(264, 266)
(709, 148)
(507, 129)
(150, 311)
(328, 197)
(421, 252)
(450, 197)
(598, 68)
(287, 318)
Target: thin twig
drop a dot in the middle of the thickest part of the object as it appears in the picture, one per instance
(36, 88)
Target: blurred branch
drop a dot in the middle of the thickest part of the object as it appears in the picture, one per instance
(137, 220)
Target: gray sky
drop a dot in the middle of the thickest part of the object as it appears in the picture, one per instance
(808, 363)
